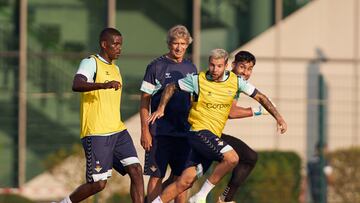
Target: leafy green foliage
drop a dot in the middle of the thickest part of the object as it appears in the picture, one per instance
(346, 175)
(275, 179)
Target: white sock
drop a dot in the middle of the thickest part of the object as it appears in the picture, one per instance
(205, 189)
(66, 200)
(157, 200)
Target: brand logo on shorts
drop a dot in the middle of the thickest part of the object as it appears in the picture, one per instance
(220, 143)
(153, 168)
(167, 75)
(98, 167)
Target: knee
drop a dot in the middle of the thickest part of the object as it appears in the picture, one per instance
(232, 159)
(135, 170)
(184, 183)
(99, 186)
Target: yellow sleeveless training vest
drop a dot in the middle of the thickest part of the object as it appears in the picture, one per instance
(212, 108)
(100, 109)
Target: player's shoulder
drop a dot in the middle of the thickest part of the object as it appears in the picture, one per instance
(189, 63)
(158, 61)
(188, 60)
(88, 61)
(239, 77)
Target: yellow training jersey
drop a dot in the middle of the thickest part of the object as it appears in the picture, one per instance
(100, 109)
(211, 110)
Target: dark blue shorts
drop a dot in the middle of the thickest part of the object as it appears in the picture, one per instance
(206, 148)
(166, 150)
(103, 153)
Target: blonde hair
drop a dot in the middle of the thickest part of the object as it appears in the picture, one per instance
(178, 31)
(218, 54)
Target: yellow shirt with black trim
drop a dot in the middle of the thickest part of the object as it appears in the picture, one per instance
(211, 110)
(100, 109)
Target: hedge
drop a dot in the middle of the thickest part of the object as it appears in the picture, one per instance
(345, 186)
(275, 179)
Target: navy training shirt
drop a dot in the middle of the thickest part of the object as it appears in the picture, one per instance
(160, 72)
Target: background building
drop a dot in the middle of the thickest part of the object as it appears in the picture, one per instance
(307, 62)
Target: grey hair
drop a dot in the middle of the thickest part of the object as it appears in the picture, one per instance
(178, 31)
(218, 54)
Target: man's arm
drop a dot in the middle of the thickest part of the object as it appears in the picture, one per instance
(268, 105)
(165, 98)
(239, 112)
(80, 84)
(146, 139)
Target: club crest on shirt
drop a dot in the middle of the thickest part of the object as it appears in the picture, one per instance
(167, 75)
(107, 73)
(209, 94)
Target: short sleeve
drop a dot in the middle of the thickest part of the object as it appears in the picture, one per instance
(245, 87)
(87, 68)
(149, 82)
(189, 83)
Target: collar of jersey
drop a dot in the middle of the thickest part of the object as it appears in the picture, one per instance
(225, 76)
(172, 61)
(102, 59)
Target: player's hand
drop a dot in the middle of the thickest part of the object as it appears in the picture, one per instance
(259, 111)
(156, 115)
(112, 85)
(281, 126)
(146, 140)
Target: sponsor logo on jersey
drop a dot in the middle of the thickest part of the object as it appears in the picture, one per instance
(217, 106)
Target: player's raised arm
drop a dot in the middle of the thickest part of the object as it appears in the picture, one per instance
(240, 112)
(165, 97)
(268, 105)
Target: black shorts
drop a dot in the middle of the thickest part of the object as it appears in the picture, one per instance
(166, 150)
(247, 154)
(102, 153)
(206, 148)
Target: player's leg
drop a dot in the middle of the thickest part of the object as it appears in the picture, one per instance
(154, 188)
(181, 198)
(184, 182)
(242, 170)
(213, 148)
(156, 162)
(86, 190)
(137, 182)
(226, 165)
(151, 169)
(98, 154)
(126, 162)
(180, 151)
(169, 180)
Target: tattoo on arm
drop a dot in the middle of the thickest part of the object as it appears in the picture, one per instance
(266, 103)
